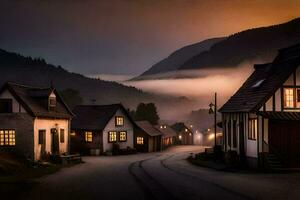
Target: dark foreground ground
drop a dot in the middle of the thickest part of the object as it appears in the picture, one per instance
(164, 175)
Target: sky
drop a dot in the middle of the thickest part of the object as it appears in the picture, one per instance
(126, 37)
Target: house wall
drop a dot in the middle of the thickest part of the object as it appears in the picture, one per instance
(48, 124)
(242, 119)
(128, 126)
(22, 123)
(79, 145)
(141, 147)
(16, 106)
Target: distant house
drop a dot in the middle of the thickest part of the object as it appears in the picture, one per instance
(147, 137)
(185, 134)
(261, 121)
(168, 135)
(96, 128)
(208, 136)
(33, 121)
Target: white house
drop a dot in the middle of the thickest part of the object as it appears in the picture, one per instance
(97, 127)
(261, 121)
(33, 121)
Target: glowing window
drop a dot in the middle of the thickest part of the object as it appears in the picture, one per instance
(119, 121)
(140, 140)
(123, 136)
(252, 134)
(288, 97)
(112, 136)
(88, 136)
(7, 138)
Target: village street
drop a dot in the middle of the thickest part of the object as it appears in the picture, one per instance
(163, 175)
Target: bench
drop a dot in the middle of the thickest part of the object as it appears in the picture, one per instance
(67, 159)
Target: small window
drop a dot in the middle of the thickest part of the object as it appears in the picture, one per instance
(52, 103)
(88, 136)
(123, 136)
(7, 138)
(42, 134)
(5, 105)
(258, 83)
(140, 140)
(252, 134)
(112, 136)
(62, 135)
(288, 97)
(119, 121)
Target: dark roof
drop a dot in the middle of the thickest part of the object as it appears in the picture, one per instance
(179, 127)
(280, 115)
(95, 117)
(148, 128)
(35, 100)
(264, 82)
(167, 132)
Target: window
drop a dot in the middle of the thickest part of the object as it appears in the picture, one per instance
(258, 83)
(62, 135)
(52, 103)
(229, 133)
(234, 136)
(119, 121)
(252, 134)
(288, 97)
(112, 136)
(5, 105)
(42, 134)
(88, 136)
(7, 138)
(123, 136)
(140, 140)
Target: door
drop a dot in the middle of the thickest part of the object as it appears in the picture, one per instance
(42, 142)
(284, 141)
(54, 141)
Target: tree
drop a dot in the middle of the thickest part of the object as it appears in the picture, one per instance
(146, 112)
(71, 97)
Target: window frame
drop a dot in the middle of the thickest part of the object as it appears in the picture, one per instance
(62, 136)
(116, 121)
(251, 125)
(41, 131)
(140, 142)
(109, 138)
(120, 136)
(4, 138)
(88, 136)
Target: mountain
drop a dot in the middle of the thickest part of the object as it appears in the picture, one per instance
(178, 58)
(37, 72)
(259, 44)
(253, 45)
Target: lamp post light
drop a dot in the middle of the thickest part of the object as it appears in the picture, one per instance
(213, 110)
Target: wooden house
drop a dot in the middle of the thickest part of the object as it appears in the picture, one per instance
(185, 135)
(261, 121)
(168, 135)
(147, 137)
(95, 128)
(33, 121)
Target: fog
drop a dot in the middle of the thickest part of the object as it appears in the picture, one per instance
(201, 84)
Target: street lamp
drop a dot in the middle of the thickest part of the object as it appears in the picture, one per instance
(213, 110)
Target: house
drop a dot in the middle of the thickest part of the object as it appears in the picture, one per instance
(261, 121)
(147, 137)
(184, 133)
(168, 135)
(96, 128)
(208, 136)
(33, 121)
